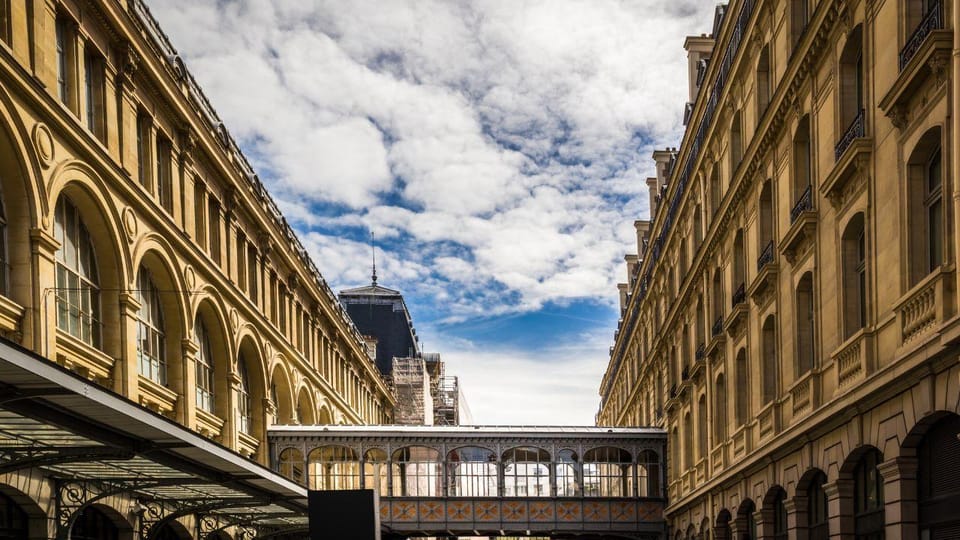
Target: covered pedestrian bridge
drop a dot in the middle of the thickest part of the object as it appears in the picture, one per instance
(488, 480)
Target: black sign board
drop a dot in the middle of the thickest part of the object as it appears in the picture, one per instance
(350, 514)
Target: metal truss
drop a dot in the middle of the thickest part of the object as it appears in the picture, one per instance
(160, 512)
(210, 524)
(72, 496)
(16, 458)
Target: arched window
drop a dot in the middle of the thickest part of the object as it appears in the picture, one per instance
(526, 472)
(764, 90)
(334, 467)
(742, 393)
(805, 325)
(93, 524)
(204, 367)
(702, 427)
(699, 324)
(291, 464)
(720, 411)
(779, 514)
(770, 364)
(938, 481)
(868, 497)
(151, 339)
(376, 471)
(747, 520)
(818, 526)
(853, 249)
(14, 523)
(567, 466)
(716, 190)
(607, 473)
(648, 474)
(925, 215)
(416, 472)
(687, 439)
(472, 472)
(697, 229)
(799, 17)
(851, 79)
(802, 161)
(736, 144)
(739, 267)
(717, 306)
(765, 225)
(78, 282)
(244, 399)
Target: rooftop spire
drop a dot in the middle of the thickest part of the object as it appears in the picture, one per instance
(373, 251)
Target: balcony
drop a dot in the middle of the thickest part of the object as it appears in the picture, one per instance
(717, 327)
(925, 53)
(699, 360)
(764, 284)
(852, 359)
(717, 339)
(768, 422)
(738, 315)
(716, 458)
(926, 306)
(741, 441)
(932, 21)
(849, 174)
(803, 394)
(803, 227)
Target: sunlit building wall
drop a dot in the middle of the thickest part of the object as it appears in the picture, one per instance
(790, 315)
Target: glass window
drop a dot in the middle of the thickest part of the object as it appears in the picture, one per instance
(334, 467)
(934, 204)
(78, 285)
(416, 472)
(472, 472)
(526, 472)
(868, 498)
(204, 367)
(244, 400)
(607, 472)
(93, 86)
(150, 334)
(567, 473)
(818, 526)
(291, 464)
(375, 471)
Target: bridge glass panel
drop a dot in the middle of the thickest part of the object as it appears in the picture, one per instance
(567, 472)
(334, 467)
(526, 472)
(472, 472)
(648, 474)
(607, 472)
(291, 464)
(375, 471)
(417, 472)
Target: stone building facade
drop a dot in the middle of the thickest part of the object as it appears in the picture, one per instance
(140, 250)
(791, 314)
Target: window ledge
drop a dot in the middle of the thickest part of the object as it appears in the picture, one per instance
(84, 359)
(247, 444)
(209, 425)
(799, 236)
(853, 164)
(156, 397)
(853, 358)
(933, 57)
(764, 284)
(11, 313)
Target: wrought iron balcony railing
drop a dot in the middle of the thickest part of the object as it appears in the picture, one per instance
(804, 203)
(933, 20)
(740, 295)
(855, 130)
(717, 326)
(766, 256)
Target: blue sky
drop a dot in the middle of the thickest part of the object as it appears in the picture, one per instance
(497, 149)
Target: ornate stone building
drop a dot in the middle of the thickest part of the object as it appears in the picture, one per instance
(791, 315)
(139, 250)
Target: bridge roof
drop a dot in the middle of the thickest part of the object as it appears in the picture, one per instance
(470, 431)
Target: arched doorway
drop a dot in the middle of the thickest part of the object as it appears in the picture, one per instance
(14, 524)
(938, 493)
(93, 523)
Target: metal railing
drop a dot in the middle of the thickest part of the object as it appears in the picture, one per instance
(701, 352)
(855, 130)
(717, 326)
(740, 295)
(804, 203)
(766, 256)
(933, 20)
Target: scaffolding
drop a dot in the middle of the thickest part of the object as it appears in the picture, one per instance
(411, 386)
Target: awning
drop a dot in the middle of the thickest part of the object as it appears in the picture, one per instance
(95, 443)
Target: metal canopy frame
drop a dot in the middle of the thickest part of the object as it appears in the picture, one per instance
(95, 443)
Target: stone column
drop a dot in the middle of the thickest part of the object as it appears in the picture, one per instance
(840, 508)
(231, 424)
(797, 517)
(126, 372)
(188, 411)
(40, 326)
(900, 497)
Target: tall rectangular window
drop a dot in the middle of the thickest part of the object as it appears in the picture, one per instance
(241, 261)
(144, 125)
(165, 174)
(213, 217)
(65, 60)
(93, 90)
(252, 276)
(199, 213)
(5, 26)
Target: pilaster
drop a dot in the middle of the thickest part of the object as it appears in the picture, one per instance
(900, 496)
(126, 377)
(840, 508)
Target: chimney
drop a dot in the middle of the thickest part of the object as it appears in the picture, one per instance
(699, 49)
